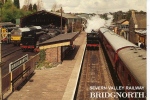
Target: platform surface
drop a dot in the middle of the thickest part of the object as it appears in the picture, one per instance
(52, 83)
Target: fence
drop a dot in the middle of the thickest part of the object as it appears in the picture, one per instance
(13, 79)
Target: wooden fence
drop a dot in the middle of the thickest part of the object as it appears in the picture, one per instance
(13, 79)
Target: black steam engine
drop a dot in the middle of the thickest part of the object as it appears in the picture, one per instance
(92, 40)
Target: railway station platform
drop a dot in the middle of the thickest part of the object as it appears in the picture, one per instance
(57, 83)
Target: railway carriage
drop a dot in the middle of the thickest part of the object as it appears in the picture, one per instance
(128, 60)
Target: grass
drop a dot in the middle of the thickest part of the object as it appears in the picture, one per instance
(44, 65)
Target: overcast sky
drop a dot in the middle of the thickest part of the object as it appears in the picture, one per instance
(94, 6)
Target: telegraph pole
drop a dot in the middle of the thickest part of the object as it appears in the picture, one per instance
(0, 32)
(61, 19)
(1, 94)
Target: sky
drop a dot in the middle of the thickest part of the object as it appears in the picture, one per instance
(94, 6)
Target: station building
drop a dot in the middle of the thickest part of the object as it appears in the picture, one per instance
(137, 28)
(58, 47)
(55, 48)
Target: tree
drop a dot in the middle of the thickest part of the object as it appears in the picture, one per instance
(142, 12)
(25, 8)
(118, 16)
(54, 7)
(11, 12)
(104, 16)
(128, 15)
(30, 7)
(57, 8)
(34, 7)
(1, 4)
(16, 3)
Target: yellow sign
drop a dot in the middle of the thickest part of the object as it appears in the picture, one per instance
(4, 30)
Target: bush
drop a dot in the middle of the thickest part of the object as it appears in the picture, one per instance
(42, 55)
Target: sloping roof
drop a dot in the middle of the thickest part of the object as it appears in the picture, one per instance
(141, 20)
(142, 32)
(65, 15)
(6, 23)
(125, 23)
(45, 18)
(43, 12)
(25, 29)
(85, 16)
(59, 39)
(121, 21)
(37, 27)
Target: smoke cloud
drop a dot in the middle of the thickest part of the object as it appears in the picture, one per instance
(110, 18)
(96, 22)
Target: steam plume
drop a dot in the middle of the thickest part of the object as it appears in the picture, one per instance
(96, 22)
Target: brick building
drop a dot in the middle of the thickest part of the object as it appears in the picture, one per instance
(123, 28)
(57, 47)
(137, 28)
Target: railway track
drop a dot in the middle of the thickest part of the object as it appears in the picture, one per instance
(11, 53)
(94, 77)
(8, 49)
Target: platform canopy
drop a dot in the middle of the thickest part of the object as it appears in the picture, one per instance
(60, 40)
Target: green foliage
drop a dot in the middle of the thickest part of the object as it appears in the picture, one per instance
(30, 7)
(42, 55)
(42, 64)
(10, 12)
(104, 16)
(34, 7)
(128, 15)
(1, 4)
(16, 3)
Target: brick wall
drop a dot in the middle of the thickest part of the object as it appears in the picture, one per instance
(53, 54)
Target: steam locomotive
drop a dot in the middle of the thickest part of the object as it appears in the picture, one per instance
(31, 39)
(92, 40)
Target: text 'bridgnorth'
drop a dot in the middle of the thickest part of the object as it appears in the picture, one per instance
(117, 95)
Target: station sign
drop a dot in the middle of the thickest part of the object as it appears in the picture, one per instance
(16, 64)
